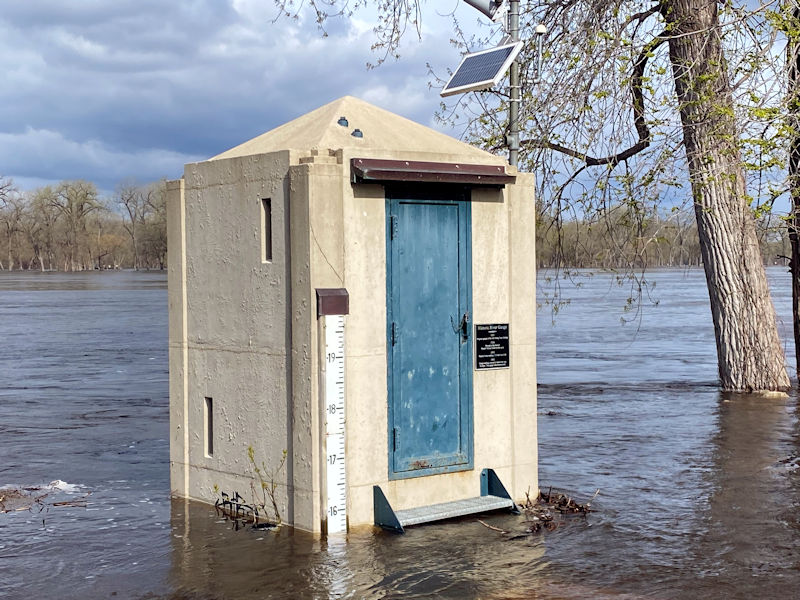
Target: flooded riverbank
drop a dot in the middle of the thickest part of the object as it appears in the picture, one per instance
(699, 491)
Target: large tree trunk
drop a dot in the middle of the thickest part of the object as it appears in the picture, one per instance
(793, 64)
(749, 352)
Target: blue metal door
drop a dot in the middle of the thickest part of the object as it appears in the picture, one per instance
(429, 303)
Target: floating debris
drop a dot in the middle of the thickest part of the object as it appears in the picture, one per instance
(33, 498)
(790, 463)
(560, 502)
(540, 514)
(241, 513)
(16, 499)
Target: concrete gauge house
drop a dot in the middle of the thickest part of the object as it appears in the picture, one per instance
(425, 244)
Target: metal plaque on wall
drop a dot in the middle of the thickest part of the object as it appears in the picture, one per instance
(491, 346)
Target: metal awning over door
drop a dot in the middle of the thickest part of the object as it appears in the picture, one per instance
(366, 170)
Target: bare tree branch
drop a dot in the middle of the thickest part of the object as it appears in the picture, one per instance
(639, 120)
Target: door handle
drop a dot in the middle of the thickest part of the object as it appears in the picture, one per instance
(462, 328)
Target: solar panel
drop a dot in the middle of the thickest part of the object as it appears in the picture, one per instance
(481, 70)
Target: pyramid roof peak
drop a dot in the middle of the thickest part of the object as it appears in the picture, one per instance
(324, 129)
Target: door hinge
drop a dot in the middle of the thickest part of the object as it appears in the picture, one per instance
(394, 333)
(392, 227)
(394, 439)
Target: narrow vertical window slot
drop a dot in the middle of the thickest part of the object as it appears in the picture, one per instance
(208, 411)
(266, 237)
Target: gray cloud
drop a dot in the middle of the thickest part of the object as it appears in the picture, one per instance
(106, 90)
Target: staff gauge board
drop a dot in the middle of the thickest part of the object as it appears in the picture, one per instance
(334, 398)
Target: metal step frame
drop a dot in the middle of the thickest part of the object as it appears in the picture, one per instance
(494, 496)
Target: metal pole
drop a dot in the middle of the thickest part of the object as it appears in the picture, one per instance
(513, 109)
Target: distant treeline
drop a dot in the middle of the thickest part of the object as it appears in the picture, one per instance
(68, 227)
(621, 240)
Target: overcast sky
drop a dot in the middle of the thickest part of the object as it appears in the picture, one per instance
(106, 90)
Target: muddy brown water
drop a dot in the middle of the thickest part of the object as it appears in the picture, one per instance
(699, 491)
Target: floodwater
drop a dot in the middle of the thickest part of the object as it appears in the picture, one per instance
(699, 492)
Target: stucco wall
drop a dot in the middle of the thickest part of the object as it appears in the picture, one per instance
(237, 325)
(176, 301)
(522, 300)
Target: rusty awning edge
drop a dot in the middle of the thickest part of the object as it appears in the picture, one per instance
(378, 169)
